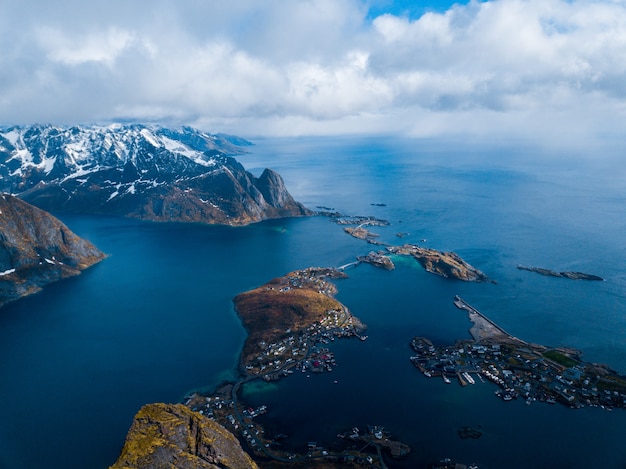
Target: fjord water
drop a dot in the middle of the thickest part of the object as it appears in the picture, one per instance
(155, 319)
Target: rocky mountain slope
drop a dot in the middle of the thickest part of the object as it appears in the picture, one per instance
(172, 436)
(139, 171)
(36, 249)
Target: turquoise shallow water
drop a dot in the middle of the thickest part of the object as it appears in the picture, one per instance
(155, 319)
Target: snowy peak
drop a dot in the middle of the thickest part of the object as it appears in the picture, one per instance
(45, 153)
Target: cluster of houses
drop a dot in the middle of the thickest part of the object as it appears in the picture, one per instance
(302, 351)
(534, 373)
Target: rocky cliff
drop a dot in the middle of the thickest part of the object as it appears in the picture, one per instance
(138, 171)
(36, 249)
(171, 436)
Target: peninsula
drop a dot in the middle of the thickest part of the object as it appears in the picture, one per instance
(520, 369)
(288, 316)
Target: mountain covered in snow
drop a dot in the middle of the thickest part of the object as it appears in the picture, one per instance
(140, 171)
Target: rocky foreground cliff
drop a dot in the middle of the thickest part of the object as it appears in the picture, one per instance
(171, 436)
(138, 171)
(37, 249)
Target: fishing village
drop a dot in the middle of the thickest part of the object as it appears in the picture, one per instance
(519, 369)
(291, 323)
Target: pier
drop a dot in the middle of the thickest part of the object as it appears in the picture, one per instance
(484, 328)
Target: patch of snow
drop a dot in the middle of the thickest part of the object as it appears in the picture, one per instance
(77, 151)
(182, 149)
(150, 137)
(47, 164)
(178, 147)
(115, 193)
(13, 136)
(81, 171)
(25, 156)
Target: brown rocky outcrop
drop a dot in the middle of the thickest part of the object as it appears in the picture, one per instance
(171, 436)
(445, 264)
(36, 249)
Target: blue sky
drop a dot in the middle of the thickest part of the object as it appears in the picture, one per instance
(412, 9)
(552, 70)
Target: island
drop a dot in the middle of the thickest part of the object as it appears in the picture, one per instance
(572, 275)
(444, 264)
(519, 369)
(378, 259)
(361, 233)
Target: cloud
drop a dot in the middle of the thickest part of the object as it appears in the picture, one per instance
(102, 48)
(527, 67)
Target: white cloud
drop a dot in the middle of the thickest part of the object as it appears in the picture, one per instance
(318, 66)
(102, 47)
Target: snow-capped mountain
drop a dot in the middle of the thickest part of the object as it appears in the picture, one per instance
(141, 171)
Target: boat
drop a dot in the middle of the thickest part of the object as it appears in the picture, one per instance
(446, 379)
(468, 378)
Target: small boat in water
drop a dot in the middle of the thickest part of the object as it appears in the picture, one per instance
(468, 378)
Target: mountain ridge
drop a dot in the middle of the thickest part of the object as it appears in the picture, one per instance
(140, 171)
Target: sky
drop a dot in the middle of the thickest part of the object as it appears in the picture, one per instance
(545, 69)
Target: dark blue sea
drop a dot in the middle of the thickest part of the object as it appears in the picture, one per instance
(155, 320)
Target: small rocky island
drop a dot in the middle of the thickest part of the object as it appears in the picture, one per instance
(444, 264)
(572, 275)
(37, 249)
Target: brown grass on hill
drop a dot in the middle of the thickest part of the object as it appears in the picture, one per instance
(267, 312)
